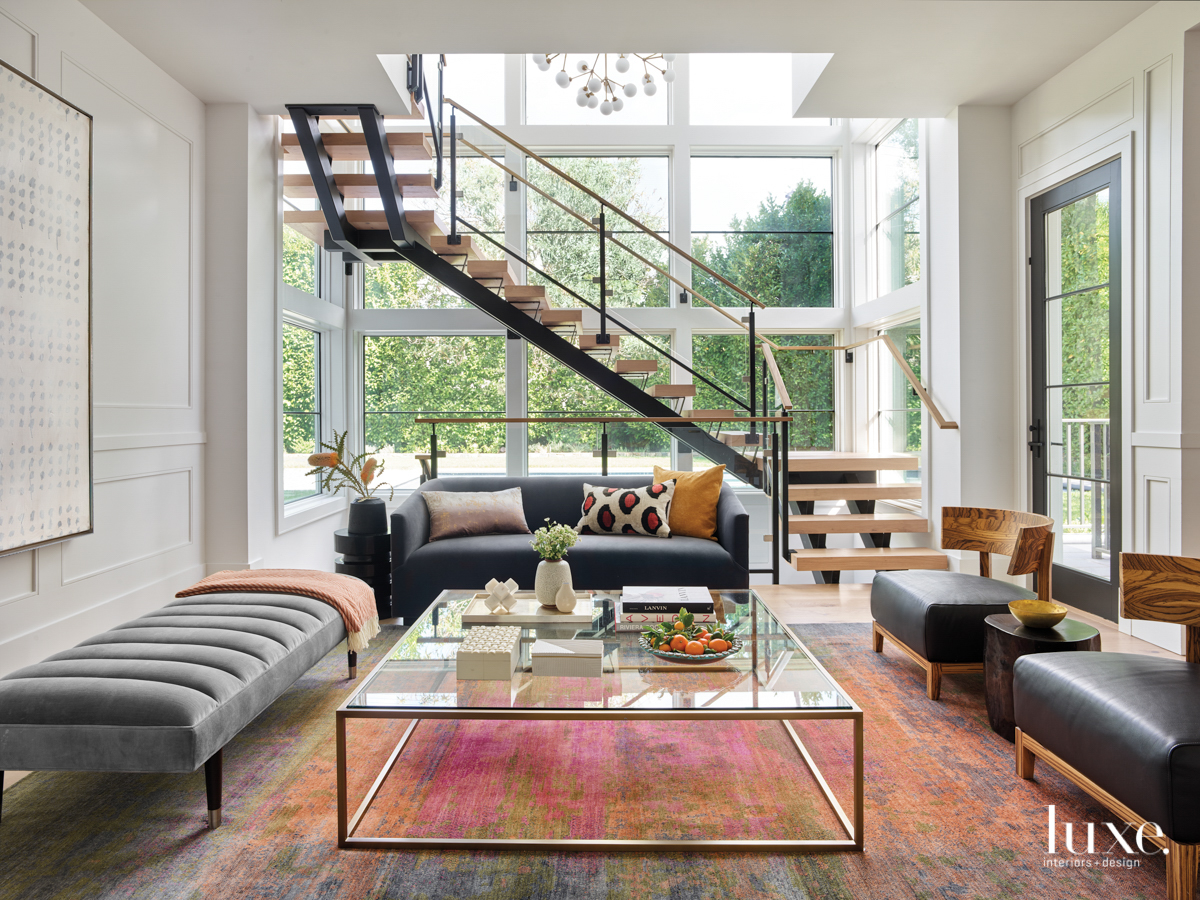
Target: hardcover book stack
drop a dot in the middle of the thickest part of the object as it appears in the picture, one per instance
(642, 606)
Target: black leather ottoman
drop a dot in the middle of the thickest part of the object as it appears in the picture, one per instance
(937, 618)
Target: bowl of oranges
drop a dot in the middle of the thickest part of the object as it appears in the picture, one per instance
(685, 641)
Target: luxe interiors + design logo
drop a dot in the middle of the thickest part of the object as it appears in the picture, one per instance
(1120, 849)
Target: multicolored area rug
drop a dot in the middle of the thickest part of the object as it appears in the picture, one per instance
(945, 815)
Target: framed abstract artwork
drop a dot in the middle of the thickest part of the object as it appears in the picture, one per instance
(45, 316)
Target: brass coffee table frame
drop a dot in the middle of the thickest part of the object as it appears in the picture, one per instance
(853, 828)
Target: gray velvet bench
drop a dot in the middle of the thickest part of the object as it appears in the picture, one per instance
(167, 691)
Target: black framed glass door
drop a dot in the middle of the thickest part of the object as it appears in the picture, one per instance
(1075, 432)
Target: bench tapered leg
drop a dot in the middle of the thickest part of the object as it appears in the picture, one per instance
(212, 784)
(1, 795)
(352, 662)
(1182, 863)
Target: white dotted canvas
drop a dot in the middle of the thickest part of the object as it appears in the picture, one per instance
(45, 316)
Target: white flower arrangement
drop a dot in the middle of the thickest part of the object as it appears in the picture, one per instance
(553, 541)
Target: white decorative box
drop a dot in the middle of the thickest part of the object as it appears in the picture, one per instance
(568, 659)
(488, 653)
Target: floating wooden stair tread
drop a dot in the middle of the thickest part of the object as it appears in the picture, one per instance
(311, 222)
(442, 247)
(528, 305)
(744, 439)
(693, 413)
(672, 390)
(858, 523)
(526, 292)
(553, 317)
(588, 342)
(840, 461)
(865, 559)
(635, 366)
(493, 272)
(404, 145)
(854, 492)
(412, 187)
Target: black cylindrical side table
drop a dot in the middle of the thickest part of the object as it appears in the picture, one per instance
(367, 556)
(1007, 640)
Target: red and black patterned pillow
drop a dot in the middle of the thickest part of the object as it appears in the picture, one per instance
(610, 510)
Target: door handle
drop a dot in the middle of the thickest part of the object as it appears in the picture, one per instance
(1035, 445)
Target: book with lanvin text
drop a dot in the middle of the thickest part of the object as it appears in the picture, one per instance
(642, 606)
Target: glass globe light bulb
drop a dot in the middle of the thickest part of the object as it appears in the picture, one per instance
(669, 76)
(648, 78)
(581, 98)
(593, 101)
(581, 66)
(594, 84)
(606, 108)
(536, 56)
(562, 79)
(630, 89)
(669, 57)
(651, 89)
(622, 64)
(543, 65)
(618, 104)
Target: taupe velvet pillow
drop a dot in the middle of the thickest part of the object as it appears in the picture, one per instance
(462, 513)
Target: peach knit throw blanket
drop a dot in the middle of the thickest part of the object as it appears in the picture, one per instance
(352, 598)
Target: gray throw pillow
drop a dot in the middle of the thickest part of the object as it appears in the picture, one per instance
(462, 513)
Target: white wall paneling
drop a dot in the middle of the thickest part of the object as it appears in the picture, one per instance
(141, 276)
(137, 517)
(18, 576)
(18, 45)
(149, 431)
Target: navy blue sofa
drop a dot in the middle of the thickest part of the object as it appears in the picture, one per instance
(421, 570)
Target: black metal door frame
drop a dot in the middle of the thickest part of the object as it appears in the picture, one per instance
(1070, 585)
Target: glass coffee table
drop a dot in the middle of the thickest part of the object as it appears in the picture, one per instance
(772, 677)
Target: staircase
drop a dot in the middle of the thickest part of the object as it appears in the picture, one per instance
(460, 262)
(851, 478)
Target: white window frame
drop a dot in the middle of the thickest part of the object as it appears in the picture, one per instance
(679, 142)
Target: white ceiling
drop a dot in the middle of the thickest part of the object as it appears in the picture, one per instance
(890, 57)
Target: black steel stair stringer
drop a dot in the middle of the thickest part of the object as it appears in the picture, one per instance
(571, 356)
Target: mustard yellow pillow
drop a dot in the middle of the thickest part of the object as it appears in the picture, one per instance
(694, 507)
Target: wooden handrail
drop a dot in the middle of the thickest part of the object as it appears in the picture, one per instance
(606, 204)
(941, 420)
(602, 420)
(785, 399)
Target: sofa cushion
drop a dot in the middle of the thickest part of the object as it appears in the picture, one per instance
(1128, 722)
(694, 506)
(598, 562)
(940, 614)
(462, 513)
(627, 510)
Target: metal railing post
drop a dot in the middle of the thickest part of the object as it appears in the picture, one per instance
(783, 508)
(603, 336)
(433, 451)
(455, 237)
(753, 381)
(604, 449)
(775, 502)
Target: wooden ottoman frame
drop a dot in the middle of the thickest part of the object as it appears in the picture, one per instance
(1156, 589)
(1026, 538)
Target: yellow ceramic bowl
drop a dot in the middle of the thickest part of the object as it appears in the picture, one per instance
(1037, 613)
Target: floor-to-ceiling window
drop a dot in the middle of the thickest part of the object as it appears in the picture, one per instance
(751, 190)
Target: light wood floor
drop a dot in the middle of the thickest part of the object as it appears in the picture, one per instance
(837, 603)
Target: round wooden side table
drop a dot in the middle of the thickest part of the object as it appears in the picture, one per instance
(1006, 641)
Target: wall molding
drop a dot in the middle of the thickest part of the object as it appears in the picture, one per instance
(192, 286)
(184, 470)
(1086, 123)
(1169, 440)
(106, 442)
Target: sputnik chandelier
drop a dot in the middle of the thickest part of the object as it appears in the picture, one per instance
(597, 88)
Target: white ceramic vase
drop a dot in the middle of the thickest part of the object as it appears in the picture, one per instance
(551, 575)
